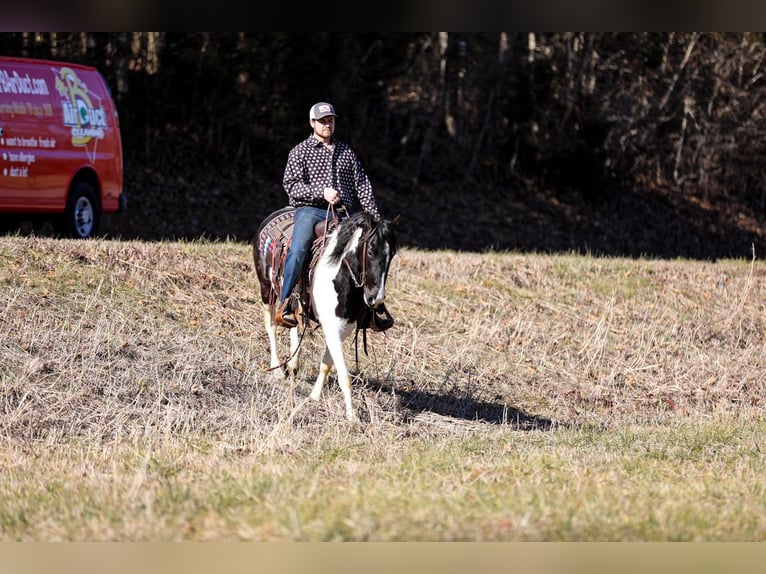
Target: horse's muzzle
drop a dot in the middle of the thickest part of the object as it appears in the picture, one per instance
(374, 300)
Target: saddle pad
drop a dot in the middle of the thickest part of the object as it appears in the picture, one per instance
(276, 231)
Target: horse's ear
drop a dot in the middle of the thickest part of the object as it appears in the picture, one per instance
(395, 220)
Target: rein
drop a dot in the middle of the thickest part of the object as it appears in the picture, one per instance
(359, 284)
(331, 214)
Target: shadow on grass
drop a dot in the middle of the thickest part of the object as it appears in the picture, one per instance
(463, 407)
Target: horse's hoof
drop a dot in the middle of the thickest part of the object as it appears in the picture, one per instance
(277, 373)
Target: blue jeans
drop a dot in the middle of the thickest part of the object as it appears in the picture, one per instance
(300, 245)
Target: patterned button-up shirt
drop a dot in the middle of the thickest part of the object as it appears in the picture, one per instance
(311, 166)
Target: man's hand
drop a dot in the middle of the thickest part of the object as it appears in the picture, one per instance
(331, 195)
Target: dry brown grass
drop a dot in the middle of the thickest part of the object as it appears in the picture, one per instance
(135, 404)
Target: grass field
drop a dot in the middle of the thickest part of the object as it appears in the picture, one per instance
(519, 397)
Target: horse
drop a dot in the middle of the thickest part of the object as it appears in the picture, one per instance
(340, 289)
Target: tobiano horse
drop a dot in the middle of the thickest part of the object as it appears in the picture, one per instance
(343, 284)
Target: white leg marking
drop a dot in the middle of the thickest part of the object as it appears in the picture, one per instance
(335, 347)
(292, 364)
(335, 333)
(271, 331)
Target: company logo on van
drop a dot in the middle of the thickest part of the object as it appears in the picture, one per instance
(86, 119)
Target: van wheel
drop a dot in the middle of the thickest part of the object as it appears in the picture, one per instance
(81, 219)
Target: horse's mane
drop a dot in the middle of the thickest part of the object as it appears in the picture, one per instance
(345, 231)
(374, 231)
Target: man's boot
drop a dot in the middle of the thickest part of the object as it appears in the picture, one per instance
(286, 316)
(378, 319)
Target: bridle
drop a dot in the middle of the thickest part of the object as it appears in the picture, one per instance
(342, 212)
(359, 283)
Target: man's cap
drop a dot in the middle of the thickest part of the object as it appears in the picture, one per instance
(321, 110)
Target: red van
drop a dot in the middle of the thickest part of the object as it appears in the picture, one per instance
(60, 146)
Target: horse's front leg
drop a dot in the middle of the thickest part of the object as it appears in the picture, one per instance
(334, 354)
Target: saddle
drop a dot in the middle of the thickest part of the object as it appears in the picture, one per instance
(274, 241)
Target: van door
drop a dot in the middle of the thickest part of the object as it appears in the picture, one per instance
(28, 179)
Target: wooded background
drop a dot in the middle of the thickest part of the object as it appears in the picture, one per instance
(608, 143)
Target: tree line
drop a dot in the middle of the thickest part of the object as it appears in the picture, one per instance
(588, 112)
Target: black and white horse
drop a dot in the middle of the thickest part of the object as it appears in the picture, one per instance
(347, 281)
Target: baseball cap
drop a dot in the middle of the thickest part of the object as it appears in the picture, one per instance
(320, 110)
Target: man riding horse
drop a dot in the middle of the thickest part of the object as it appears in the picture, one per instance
(321, 173)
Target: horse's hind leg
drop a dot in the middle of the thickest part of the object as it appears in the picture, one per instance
(292, 363)
(271, 331)
(324, 370)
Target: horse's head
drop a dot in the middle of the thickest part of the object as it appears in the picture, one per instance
(375, 251)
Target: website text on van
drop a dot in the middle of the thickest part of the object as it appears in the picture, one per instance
(60, 144)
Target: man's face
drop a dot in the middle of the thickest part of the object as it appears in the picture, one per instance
(324, 127)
